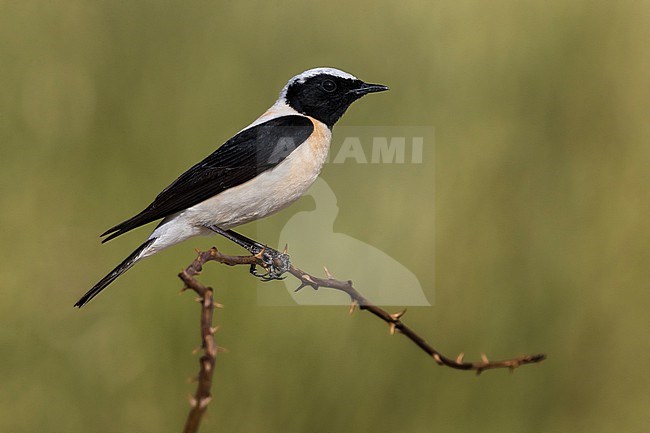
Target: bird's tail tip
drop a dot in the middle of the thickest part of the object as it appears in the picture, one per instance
(112, 276)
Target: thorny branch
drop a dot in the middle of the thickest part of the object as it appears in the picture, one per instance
(202, 396)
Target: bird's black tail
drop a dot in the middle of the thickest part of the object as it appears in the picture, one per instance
(119, 270)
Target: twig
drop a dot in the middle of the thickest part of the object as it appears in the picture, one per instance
(202, 396)
(393, 320)
(396, 325)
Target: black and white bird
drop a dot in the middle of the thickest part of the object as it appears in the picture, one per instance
(264, 168)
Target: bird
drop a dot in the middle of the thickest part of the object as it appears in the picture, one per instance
(259, 171)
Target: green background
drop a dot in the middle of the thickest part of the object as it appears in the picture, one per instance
(541, 169)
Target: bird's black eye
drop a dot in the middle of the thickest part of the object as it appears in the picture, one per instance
(328, 85)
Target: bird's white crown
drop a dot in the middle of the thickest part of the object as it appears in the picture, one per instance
(300, 78)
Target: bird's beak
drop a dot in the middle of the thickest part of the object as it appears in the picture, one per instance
(366, 88)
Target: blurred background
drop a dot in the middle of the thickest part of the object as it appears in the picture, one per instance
(526, 225)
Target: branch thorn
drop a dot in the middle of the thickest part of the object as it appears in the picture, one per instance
(260, 254)
(204, 402)
(396, 316)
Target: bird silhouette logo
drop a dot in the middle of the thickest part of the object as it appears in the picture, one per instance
(384, 279)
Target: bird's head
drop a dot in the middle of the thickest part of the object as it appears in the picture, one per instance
(325, 93)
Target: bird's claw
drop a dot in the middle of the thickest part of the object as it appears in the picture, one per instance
(274, 263)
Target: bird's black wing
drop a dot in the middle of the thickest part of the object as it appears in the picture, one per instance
(238, 160)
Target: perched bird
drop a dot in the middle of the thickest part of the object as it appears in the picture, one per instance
(264, 168)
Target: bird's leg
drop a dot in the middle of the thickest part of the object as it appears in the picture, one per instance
(274, 262)
(252, 246)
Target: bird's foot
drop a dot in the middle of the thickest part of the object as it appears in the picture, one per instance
(274, 263)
